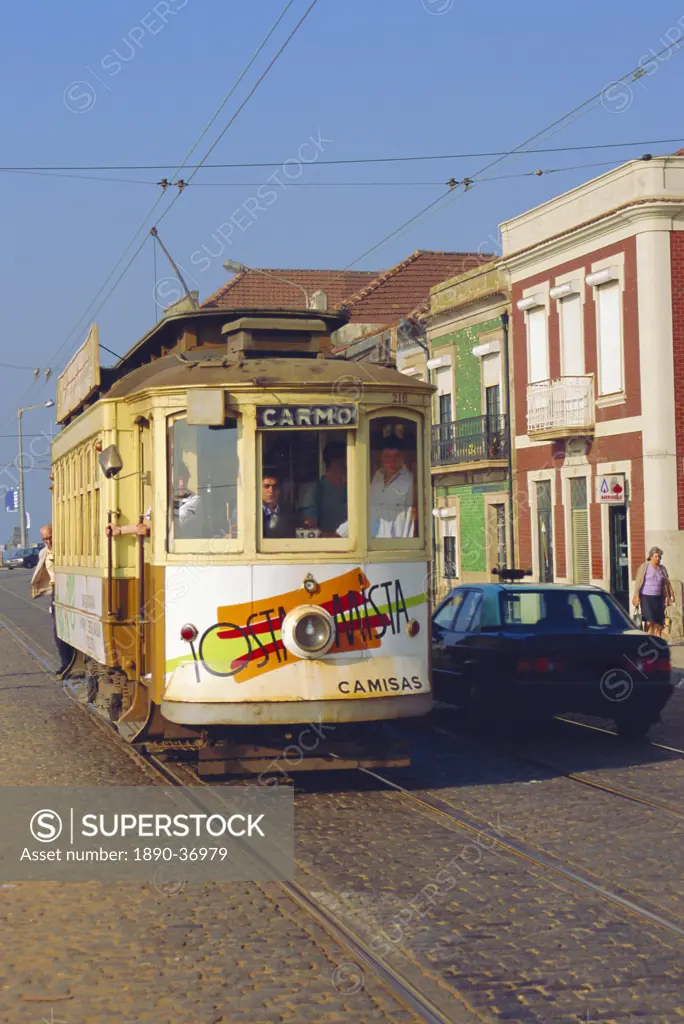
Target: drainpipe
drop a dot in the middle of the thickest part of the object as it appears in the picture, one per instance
(433, 583)
(507, 391)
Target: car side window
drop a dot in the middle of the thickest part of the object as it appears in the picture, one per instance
(469, 614)
(601, 610)
(444, 617)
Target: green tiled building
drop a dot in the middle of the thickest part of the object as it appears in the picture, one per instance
(470, 437)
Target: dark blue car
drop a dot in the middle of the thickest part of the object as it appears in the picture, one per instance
(514, 650)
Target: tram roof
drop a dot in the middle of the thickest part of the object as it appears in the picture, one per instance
(166, 331)
(196, 370)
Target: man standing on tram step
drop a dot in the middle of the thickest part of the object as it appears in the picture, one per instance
(43, 582)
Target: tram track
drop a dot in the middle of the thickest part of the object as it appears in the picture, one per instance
(402, 989)
(533, 855)
(631, 795)
(407, 993)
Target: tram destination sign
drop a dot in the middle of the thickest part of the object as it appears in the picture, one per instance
(80, 378)
(314, 417)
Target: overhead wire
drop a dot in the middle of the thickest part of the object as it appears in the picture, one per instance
(159, 198)
(348, 160)
(549, 131)
(178, 170)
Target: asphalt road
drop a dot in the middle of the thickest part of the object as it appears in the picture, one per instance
(569, 909)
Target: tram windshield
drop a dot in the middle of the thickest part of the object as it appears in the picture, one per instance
(203, 481)
(393, 478)
(303, 484)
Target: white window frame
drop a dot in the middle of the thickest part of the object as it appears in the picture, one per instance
(614, 266)
(568, 286)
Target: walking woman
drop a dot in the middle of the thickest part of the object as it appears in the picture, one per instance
(653, 591)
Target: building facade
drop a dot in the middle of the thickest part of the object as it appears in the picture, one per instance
(597, 288)
(467, 334)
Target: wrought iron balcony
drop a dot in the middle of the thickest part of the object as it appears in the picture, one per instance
(561, 408)
(475, 439)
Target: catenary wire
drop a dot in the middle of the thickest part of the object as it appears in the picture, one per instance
(558, 125)
(211, 148)
(350, 160)
(160, 197)
(363, 184)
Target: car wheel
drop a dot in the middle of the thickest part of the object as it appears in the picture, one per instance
(9, 568)
(631, 728)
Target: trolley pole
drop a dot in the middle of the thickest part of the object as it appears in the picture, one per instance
(20, 467)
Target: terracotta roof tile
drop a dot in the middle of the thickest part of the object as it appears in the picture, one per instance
(405, 288)
(252, 289)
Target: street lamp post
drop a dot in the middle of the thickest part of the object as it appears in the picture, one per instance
(239, 268)
(22, 513)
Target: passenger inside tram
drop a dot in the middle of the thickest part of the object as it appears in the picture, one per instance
(277, 522)
(329, 505)
(203, 481)
(305, 476)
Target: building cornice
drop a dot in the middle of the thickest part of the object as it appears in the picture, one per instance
(634, 212)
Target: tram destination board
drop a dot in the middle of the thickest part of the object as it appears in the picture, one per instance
(315, 417)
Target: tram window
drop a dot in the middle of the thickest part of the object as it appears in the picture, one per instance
(393, 478)
(303, 485)
(204, 480)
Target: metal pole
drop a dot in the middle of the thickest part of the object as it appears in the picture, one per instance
(22, 513)
(507, 387)
(277, 277)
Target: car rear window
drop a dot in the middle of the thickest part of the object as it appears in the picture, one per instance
(560, 611)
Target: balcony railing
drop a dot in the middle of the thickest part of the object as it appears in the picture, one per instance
(476, 439)
(561, 406)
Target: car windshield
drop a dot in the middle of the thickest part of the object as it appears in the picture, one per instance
(561, 611)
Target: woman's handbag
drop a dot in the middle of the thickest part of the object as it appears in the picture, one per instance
(636, 617)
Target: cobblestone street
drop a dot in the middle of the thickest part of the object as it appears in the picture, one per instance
(492, 879)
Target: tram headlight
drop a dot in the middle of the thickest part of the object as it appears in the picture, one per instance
(308, 631)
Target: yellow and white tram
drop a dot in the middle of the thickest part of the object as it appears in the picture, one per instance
(279, 575)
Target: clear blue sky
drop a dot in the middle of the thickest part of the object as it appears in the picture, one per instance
(376, 77)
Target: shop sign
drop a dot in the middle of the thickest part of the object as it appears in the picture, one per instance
(611, 489)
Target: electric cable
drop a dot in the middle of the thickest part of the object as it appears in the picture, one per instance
(558, 125)
(159, 198)
(350, 160)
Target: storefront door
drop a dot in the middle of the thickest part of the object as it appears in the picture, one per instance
(619, 555)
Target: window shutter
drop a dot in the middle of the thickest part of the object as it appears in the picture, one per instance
(579, 522)
(581, 570)
(570, 310)
(538, 352)
(491, 372)
(609, 299)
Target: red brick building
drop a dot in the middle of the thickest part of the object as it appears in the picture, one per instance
(597, 283)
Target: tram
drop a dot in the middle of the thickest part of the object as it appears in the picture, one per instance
(241, 531)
